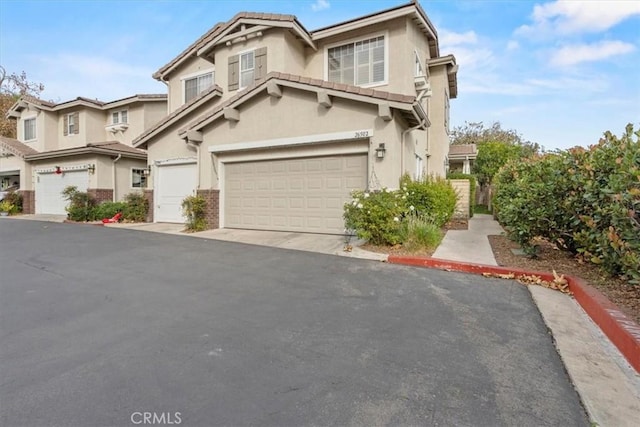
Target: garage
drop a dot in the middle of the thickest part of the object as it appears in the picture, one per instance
(49, 186)
(173, 183)
(302, 194)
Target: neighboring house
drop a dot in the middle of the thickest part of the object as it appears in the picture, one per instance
(275, 125)
(82, 142)
(462, 157)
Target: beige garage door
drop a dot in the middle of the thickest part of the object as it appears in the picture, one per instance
(305, 195)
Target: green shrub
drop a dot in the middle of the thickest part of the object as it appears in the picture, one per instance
(587, 201)
(375, 216)
(472, 188)
(137, 207)
(420, 233)
(81, 204)
(15, 199)
(194, 210)
(107, 210)
(6, 206)
(432, 198)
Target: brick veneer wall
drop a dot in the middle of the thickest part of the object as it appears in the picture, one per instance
(148, 194)
(212, 198)
(101, 194)
(28, 201)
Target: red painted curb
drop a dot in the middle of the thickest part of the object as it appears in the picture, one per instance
(623, 332)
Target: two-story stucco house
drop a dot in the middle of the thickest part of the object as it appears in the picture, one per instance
(82, 142)
(275, 125)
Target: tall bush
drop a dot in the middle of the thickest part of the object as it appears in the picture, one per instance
(375, 216)
(432, 197)
(194, 210)
(81, 204)
(137, 207)
(588, 201)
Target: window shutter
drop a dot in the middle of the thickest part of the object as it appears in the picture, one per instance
(234, 72)
(76, 123)
(260, 64)
(65, 125)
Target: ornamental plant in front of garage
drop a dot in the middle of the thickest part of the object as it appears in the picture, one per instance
(412, 215)
(83, 207)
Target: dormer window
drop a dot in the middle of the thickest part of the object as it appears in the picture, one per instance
(30, 129)
(71, 124)
(247, 67)
(194, 85)
(360, 63)
(119, 117)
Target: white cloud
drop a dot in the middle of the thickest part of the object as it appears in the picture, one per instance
(575, 54)
(568, 17)
(450, 38)
(513, 45)
(320, 5)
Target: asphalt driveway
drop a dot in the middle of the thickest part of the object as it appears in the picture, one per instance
(100, 326)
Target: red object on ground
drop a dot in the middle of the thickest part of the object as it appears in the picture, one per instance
(623, 332)
(116, 218)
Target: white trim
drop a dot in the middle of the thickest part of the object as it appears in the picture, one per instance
(297, 140)
(244, 52)
(354, 40)
(64, 169)
(197, 73)
(35, 123)
(175, 161)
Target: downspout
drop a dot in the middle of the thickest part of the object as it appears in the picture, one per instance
(113, 176)
(423, 122)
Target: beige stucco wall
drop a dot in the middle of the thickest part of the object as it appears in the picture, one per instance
(438, 135)
(123, 176)
(94, 123)
(261, 119)
(14, 163)
(153, 113)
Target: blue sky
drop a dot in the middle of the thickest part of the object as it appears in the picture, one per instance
(560, 73)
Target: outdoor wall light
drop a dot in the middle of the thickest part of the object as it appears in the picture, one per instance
(147, 171)
(380, 151)
(91, 169)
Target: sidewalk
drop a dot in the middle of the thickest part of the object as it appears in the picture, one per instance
(608, 386)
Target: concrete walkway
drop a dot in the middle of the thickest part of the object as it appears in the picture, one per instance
(470, 245)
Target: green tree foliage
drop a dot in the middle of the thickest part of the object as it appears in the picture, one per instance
(587, 201)
(492, 156)
(476, 133)
(194, 209)
(12, 86)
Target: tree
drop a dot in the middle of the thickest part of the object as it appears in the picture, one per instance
(492, 156)
(12, 87)
(476, 133)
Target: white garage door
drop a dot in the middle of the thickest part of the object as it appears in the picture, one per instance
(305, 195)
(173, 184)
(49, 186)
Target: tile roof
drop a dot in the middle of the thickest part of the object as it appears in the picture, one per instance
(215, 31)
(372, 93)
(116, 146)
(18, 148)
(105, 147)
(37, 101)
(176, 113)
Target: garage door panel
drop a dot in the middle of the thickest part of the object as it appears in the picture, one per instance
(304, 194)
(174, 183)
(49, 187)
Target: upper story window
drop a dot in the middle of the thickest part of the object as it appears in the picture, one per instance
(359, 63)
(119, 117)
(195, 85)
(247, 67)
(71, 124)
(419, 71)
(30, 129)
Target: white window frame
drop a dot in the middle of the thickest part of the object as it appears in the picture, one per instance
(200, 73)
(69, 116)
(384, 34)
(35, 128)
(143, 178)
(119, 114)
(252, 70)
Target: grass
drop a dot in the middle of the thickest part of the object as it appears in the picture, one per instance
(421, 234)
(481, 209)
